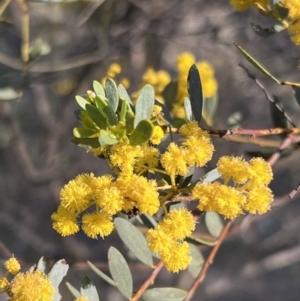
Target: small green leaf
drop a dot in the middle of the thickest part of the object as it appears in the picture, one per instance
(188, 109)
(123, 94)
(83, 133)
(213, 223)
(267, 32)
(107, 139)
(99, 90)
(195, 92)
(120, 272)
(211, 176)
(88, 289)
(148, 221)
(110, 114)
(73, 290)
(101, 274)
(197, 261)
(8, 93)
(297, 94)
(112, 94)
(134, 240)
(43, 265)
(129, 122)
(256, 64)
(56, 275)
(209, 109)
(81, 101)
(165, 294)
(142, 133)
(86, 120)
(144, 105)
(169, 94)
(96, 117)
(86, 142)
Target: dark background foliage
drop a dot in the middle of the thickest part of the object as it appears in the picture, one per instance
(262, 259)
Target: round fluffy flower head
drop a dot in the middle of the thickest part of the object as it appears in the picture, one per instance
(108, 196)
(261, 171)
(158, 240)
(184, 61)
(149, 159)
(157, 135)
(114, 69)
(235, 168)
(78, 192)
(220, 198)
(198, 150)
(139, 190)
(94, 224)
(192, 129)
(31, 286)
(259, 199)
(176, 257)
(124, 155)
(64, 222)
(3, 283)
(174, 160)
(12, 265)
(178, 223)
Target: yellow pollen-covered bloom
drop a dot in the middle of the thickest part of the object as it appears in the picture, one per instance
(31, 286)
(139, 190)
(12, 265)
(125, 155)
(176, 257)
(3, 282)
(107, 195)
(259, 199)
(157, 135)
(198, 150)
(192, 129)
(113, 70)
(125, 82)
(78, 193)
(149, 159)
(158, 240)
(261, 172)
(294, 31)
(64, 222)
(178, 224)
(174, 160)
(220, 198)
(234, 167)
(293, 7)
(94, 224)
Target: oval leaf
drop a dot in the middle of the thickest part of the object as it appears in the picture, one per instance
(56, 275)
(96, 116)
(105, 138)
(99, 90)
(73, 290)
(120, 272)
(197, 261)
(211, 176)
(142, 133)
(134, 240)
(43, 265)
(188, 109)
(213, 223)
(165, 294)
(83, 133)
(81, 101)
(195, 92)
(123, 94)
(144, 105)
(148, 221)
(101, 274)
(112, 94)
(88, 289)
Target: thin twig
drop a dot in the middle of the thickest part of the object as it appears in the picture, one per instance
(88, 11)
(148, 282)
(268, 95)
(208, 261)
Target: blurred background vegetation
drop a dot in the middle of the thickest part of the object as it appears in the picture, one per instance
(73, 43)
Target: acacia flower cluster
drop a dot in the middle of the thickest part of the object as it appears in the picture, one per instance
(248, 193)
(167, 239)
(32, 285)
(289, 21)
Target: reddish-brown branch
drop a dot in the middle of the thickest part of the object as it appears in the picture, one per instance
(208, 261)
(148, 282)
